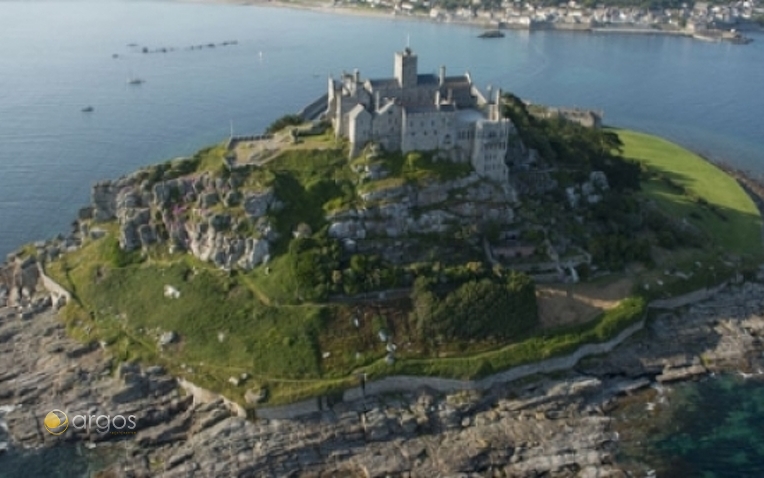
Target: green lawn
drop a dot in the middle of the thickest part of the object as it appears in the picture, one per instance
(223, 329)
(731, 217)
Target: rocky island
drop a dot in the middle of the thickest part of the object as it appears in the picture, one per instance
(420, 281)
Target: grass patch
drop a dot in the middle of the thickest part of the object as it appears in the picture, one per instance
(538, 347)
(699, 271)
(687, 187)
(386, 183)
(126, 308)
(280, 285)
(419, 166)
(304, 182)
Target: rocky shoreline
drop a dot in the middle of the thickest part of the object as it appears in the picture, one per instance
(557, 427)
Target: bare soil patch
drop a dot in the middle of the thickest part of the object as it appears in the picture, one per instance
(570, 304)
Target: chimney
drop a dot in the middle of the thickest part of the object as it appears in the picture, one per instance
(376, 101)
(489, 93)
(356, 75)
(437, 98)
(442, 76)
(497, 106)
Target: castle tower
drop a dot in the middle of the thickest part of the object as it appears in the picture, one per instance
(497, 105)
(406, 68)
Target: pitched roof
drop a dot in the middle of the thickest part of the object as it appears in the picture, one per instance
(383, 83)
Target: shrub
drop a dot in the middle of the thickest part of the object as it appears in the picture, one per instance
(283, 122)
(116, 256)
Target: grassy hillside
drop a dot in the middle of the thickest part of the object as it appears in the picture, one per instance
(682, 180)
(264, 323)
(223, 329)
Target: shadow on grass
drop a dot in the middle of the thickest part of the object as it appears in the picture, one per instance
(737, 231)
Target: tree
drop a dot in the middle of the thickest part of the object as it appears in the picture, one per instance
(478, 308)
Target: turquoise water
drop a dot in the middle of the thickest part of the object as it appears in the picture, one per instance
(56, 58)
(710, 429)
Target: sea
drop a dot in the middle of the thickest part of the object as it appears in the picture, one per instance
(210, 69)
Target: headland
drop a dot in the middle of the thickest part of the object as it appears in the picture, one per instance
(322, 256)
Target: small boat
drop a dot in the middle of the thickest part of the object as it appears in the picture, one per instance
(135, 81)
(87, 109)
(491, 34)
(740, 40)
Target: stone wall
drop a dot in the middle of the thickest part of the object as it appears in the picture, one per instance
(292, 410)
(57, 292)
(687, 299)
(315, 109)
(403, 383)
(202, 396)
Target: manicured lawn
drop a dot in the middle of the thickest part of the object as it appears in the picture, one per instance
(736, 224)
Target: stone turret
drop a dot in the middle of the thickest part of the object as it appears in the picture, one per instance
(495, 105)
(406, 68)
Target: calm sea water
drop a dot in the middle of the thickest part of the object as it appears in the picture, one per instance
(56, 58)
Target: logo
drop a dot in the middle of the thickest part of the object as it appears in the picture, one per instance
(56, 422)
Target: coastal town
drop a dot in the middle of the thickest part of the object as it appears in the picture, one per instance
(701, 20)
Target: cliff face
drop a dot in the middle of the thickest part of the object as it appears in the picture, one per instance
(227, 221)
(194, 213)
(429, 209)
(19, 283)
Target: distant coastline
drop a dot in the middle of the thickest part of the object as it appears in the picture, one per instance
(710, 34)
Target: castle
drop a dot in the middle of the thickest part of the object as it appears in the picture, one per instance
(422, 112)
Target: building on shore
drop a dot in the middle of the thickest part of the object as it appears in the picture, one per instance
(422, 112)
